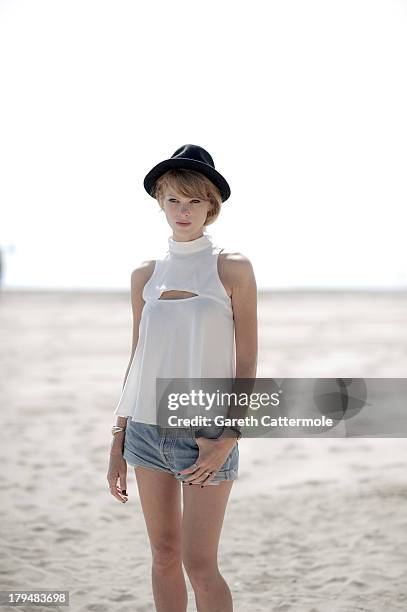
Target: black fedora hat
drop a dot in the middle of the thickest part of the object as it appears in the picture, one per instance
(189, 157)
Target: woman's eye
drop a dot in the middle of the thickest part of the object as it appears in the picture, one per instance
(194, 201)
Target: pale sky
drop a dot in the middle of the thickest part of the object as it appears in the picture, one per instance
(302, 106)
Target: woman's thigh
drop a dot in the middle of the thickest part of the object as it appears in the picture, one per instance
(202, 521)
(160, 498)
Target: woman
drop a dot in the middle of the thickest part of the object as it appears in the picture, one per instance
(190, 308)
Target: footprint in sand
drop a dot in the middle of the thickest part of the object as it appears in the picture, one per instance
(67, 533)
(359, 467)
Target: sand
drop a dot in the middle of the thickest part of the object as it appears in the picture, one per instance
(312, 525)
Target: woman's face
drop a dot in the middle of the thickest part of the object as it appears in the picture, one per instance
(185, 215)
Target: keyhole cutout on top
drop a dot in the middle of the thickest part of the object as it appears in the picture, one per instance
(174, 294)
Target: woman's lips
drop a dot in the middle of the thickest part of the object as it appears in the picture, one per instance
(183, 222)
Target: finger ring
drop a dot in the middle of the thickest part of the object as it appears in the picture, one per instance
(209, 473)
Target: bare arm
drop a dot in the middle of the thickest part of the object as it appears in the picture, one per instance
(139, 277)
(117, 471)
(244, 304)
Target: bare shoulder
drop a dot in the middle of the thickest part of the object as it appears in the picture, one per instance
(143, 271)
(236, 264)
(235, 270)
(140, 275)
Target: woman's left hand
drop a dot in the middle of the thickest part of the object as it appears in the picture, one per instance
(213, 453)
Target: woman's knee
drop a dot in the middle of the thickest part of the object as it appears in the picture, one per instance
(201, 569)
(166, 553)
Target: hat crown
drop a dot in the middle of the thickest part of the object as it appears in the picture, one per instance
(191, 151)
(188, 157)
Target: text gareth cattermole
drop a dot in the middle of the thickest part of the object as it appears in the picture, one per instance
(254, 400)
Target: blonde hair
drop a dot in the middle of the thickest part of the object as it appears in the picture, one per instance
(190, 183)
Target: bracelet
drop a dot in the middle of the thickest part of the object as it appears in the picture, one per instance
(116, 429)
(233, 428)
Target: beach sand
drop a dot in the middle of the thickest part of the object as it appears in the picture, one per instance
(312, 525)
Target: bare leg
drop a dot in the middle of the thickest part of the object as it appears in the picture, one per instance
(202, 522)
(160, 498)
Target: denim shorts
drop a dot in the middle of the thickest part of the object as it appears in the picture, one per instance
(172, 450)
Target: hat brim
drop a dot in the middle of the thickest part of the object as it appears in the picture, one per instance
(189, 164)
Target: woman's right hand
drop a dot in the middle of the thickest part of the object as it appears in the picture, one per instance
(117, 472)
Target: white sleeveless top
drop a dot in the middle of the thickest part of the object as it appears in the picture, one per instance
(189, 337)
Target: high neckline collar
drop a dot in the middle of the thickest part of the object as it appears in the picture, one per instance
(189, 246)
